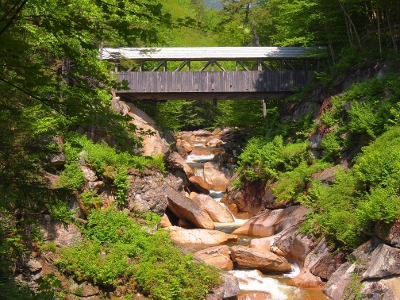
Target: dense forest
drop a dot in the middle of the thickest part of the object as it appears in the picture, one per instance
(52, 85)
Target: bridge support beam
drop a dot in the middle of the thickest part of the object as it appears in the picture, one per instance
(264, 104)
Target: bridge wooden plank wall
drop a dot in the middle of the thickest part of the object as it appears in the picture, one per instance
(209, 82)
(260, 81)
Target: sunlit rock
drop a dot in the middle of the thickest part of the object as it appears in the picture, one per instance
(185, 208)
(305, 280)
(262, 260)
(201, 237)
(216, 212)
(174, 160)
(217, 179)
(261, 225)
(216, 256)
(199, 185)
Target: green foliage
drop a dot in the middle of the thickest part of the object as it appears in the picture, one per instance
(49, 246)
(360, 197)
(116, 250)
(332, 145)
(106, 161)
(291, 185)
(367, 108)
(90, 199)
(266, 159)
(47, 289)
(59, 210)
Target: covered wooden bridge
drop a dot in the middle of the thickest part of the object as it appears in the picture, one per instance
(213, 73)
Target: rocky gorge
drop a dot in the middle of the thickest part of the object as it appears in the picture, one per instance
(190, 214)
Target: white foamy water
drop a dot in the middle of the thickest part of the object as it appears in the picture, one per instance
(294, 271)
(191, 158)
(199, 172)
(252, 280)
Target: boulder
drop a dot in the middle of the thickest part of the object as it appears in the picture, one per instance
(200, 237)
(185, 208)
(84, 290)
(248, 198)
(385, 262)
(216, 256)
(390, 233)
(176, 182)
(305, 280)
(90, 175)
(327, 176)
(262, 243)
(322, 262)
(346, 277)
(185, 145)
(152, 143)
(218, 180)
(292, 216)
(201, 152)
(199, 185)
(146, 191)
(229, 289)
(261, 225)
(216, 212)
(34, 265)
(174, 160)
(165, 221)
(385, 289)
(269, 199)
(214, 142)
(265, 261)
(62, 234)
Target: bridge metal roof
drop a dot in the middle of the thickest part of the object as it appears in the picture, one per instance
(209, 53)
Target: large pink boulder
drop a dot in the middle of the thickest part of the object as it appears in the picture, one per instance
(184, 208)
(185, 145)
(216, 212)
(261, 225)
(262, 243)
(201, 237)
(305, 280)
(249, 258)
(198, 184)
(175, 160)
(217, 179)
(217, 256)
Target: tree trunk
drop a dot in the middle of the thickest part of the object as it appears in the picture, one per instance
(391, 31)
(378, 20)
(351, 24)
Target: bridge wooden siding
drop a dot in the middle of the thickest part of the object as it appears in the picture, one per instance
(270, 79)
(213, 85)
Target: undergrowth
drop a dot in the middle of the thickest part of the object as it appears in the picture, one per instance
(116, 251)
(108, 163)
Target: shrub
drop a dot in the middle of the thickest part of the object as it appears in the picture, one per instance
(359, 198)
(265, 159)
(106, 162)
(117, 250)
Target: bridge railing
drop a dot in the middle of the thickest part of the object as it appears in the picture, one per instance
(214, 58)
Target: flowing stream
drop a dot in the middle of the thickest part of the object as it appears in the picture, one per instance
(252, 281)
